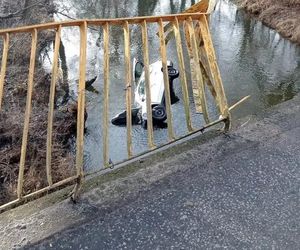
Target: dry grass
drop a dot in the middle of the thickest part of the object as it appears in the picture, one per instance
(281, 15)
(11, 129)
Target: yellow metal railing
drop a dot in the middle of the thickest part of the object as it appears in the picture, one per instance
(203, 62)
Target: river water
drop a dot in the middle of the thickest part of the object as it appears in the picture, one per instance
(253, 60)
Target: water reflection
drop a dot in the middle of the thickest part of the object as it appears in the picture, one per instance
(253, 60)
(260, 62)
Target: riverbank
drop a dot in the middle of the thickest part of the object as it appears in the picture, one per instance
(281, 15)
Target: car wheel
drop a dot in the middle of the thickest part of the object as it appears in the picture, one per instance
(159, 113)
(173, 73)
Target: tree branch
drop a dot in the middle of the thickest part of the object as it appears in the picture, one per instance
(19, 12)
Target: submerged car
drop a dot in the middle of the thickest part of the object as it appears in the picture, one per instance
(157, 88)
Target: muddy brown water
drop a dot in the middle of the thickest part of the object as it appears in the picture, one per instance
(253, 60)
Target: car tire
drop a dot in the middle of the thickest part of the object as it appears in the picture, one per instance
(159, 113)
(173, 73)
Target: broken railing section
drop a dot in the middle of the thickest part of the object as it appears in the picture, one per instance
(204, 67)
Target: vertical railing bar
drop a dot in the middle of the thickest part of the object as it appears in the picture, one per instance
(147, 82)
(106, 94)
(51, 105)
(195, 88)
(183, 79)
(81, 106)
(211, 56)
(3, 65)
(204, 64)
(198, 69)
(27, 114)
(206, 72)
(128, 88)
(166, 80)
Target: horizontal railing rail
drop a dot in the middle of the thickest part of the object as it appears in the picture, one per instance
(97, 22)
(204, 72)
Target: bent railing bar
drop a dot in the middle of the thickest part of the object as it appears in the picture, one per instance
(163, 54)
(183, 79)
(3, 65)
(106, 94)
(27, 114)
(194, 83)
(81, 109)
(203, 55)
(147, 83)
(203, 62)
(206, 72)
(128, 83)
(198, 72)
(212, 62)
(51, 105)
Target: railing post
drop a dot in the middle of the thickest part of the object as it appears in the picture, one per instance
(3, 65)
(183, 79)
(147, 83)
(128, 88)
(215, 72)
(195, 89)
(51, 105)
(27, 114)
(80, 110)
(163, 54)
(106, 94)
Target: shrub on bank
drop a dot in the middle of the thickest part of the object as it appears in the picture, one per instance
(281, 15)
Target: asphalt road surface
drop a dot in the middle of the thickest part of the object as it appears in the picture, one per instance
(244, 195)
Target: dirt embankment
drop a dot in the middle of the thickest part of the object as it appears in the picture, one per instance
(19, 13)
(281, 15)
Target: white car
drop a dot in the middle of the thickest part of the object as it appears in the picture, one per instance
(157, 88)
